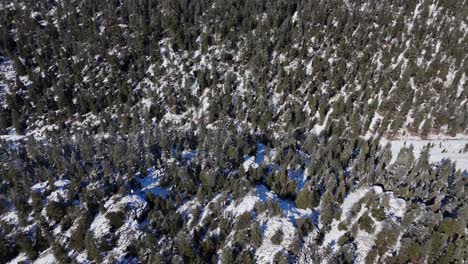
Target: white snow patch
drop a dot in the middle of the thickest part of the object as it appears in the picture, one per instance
(246, 204)
(294, 17)
(249, 161)
(39, 187)
(442, 148)
(147, 103)
(46, 257)
(11, 218)
(62, 183)
(133, 204)
(21, 258)
(319, 128)
(397, 206)
(366, 241)
(331, 238)
(100, 225)
(266, 252)
(59, 195)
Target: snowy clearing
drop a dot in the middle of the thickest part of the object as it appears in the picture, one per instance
(442, 148)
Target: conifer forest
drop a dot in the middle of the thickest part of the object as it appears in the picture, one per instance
(234, 131)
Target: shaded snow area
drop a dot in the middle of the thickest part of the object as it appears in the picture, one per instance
(61, 191)
(353, 208)
(188, 155)
(255, 161)
(298, 176)
(10, 218)
(261, 156)
(150, 183)
(39, 187)
(453, 148)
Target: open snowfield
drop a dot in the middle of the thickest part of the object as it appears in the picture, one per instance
(453, 148)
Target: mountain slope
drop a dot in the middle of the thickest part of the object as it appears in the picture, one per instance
(233, 131)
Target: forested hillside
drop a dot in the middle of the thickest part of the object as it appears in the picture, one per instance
(232, 131)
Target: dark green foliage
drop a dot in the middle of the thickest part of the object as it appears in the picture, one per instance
(342, 226)
(277, 237)
(304, 225)
(256, 235)
(281, 258)
(8, 250)
(36, 200)
(93, 251)
(116, 219)
(26, 244)
(184, 245)
(4, 205)
(60, 253)
(56, 210)
(366, 223)
(386, 239)
(451, 227)
(244, 221)
(327, 212)
(412, 252)
(77, 239)
(307, 199)
(378, 213)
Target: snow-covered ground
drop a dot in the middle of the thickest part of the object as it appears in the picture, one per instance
(394, 210)
(21, 258)
(151, 183)
(442, 147)
(266, 252)
(7, 74)
(46, 257)
(133, 206)
(269, 225)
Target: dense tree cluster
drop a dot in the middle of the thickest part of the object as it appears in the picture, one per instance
(104, 59)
